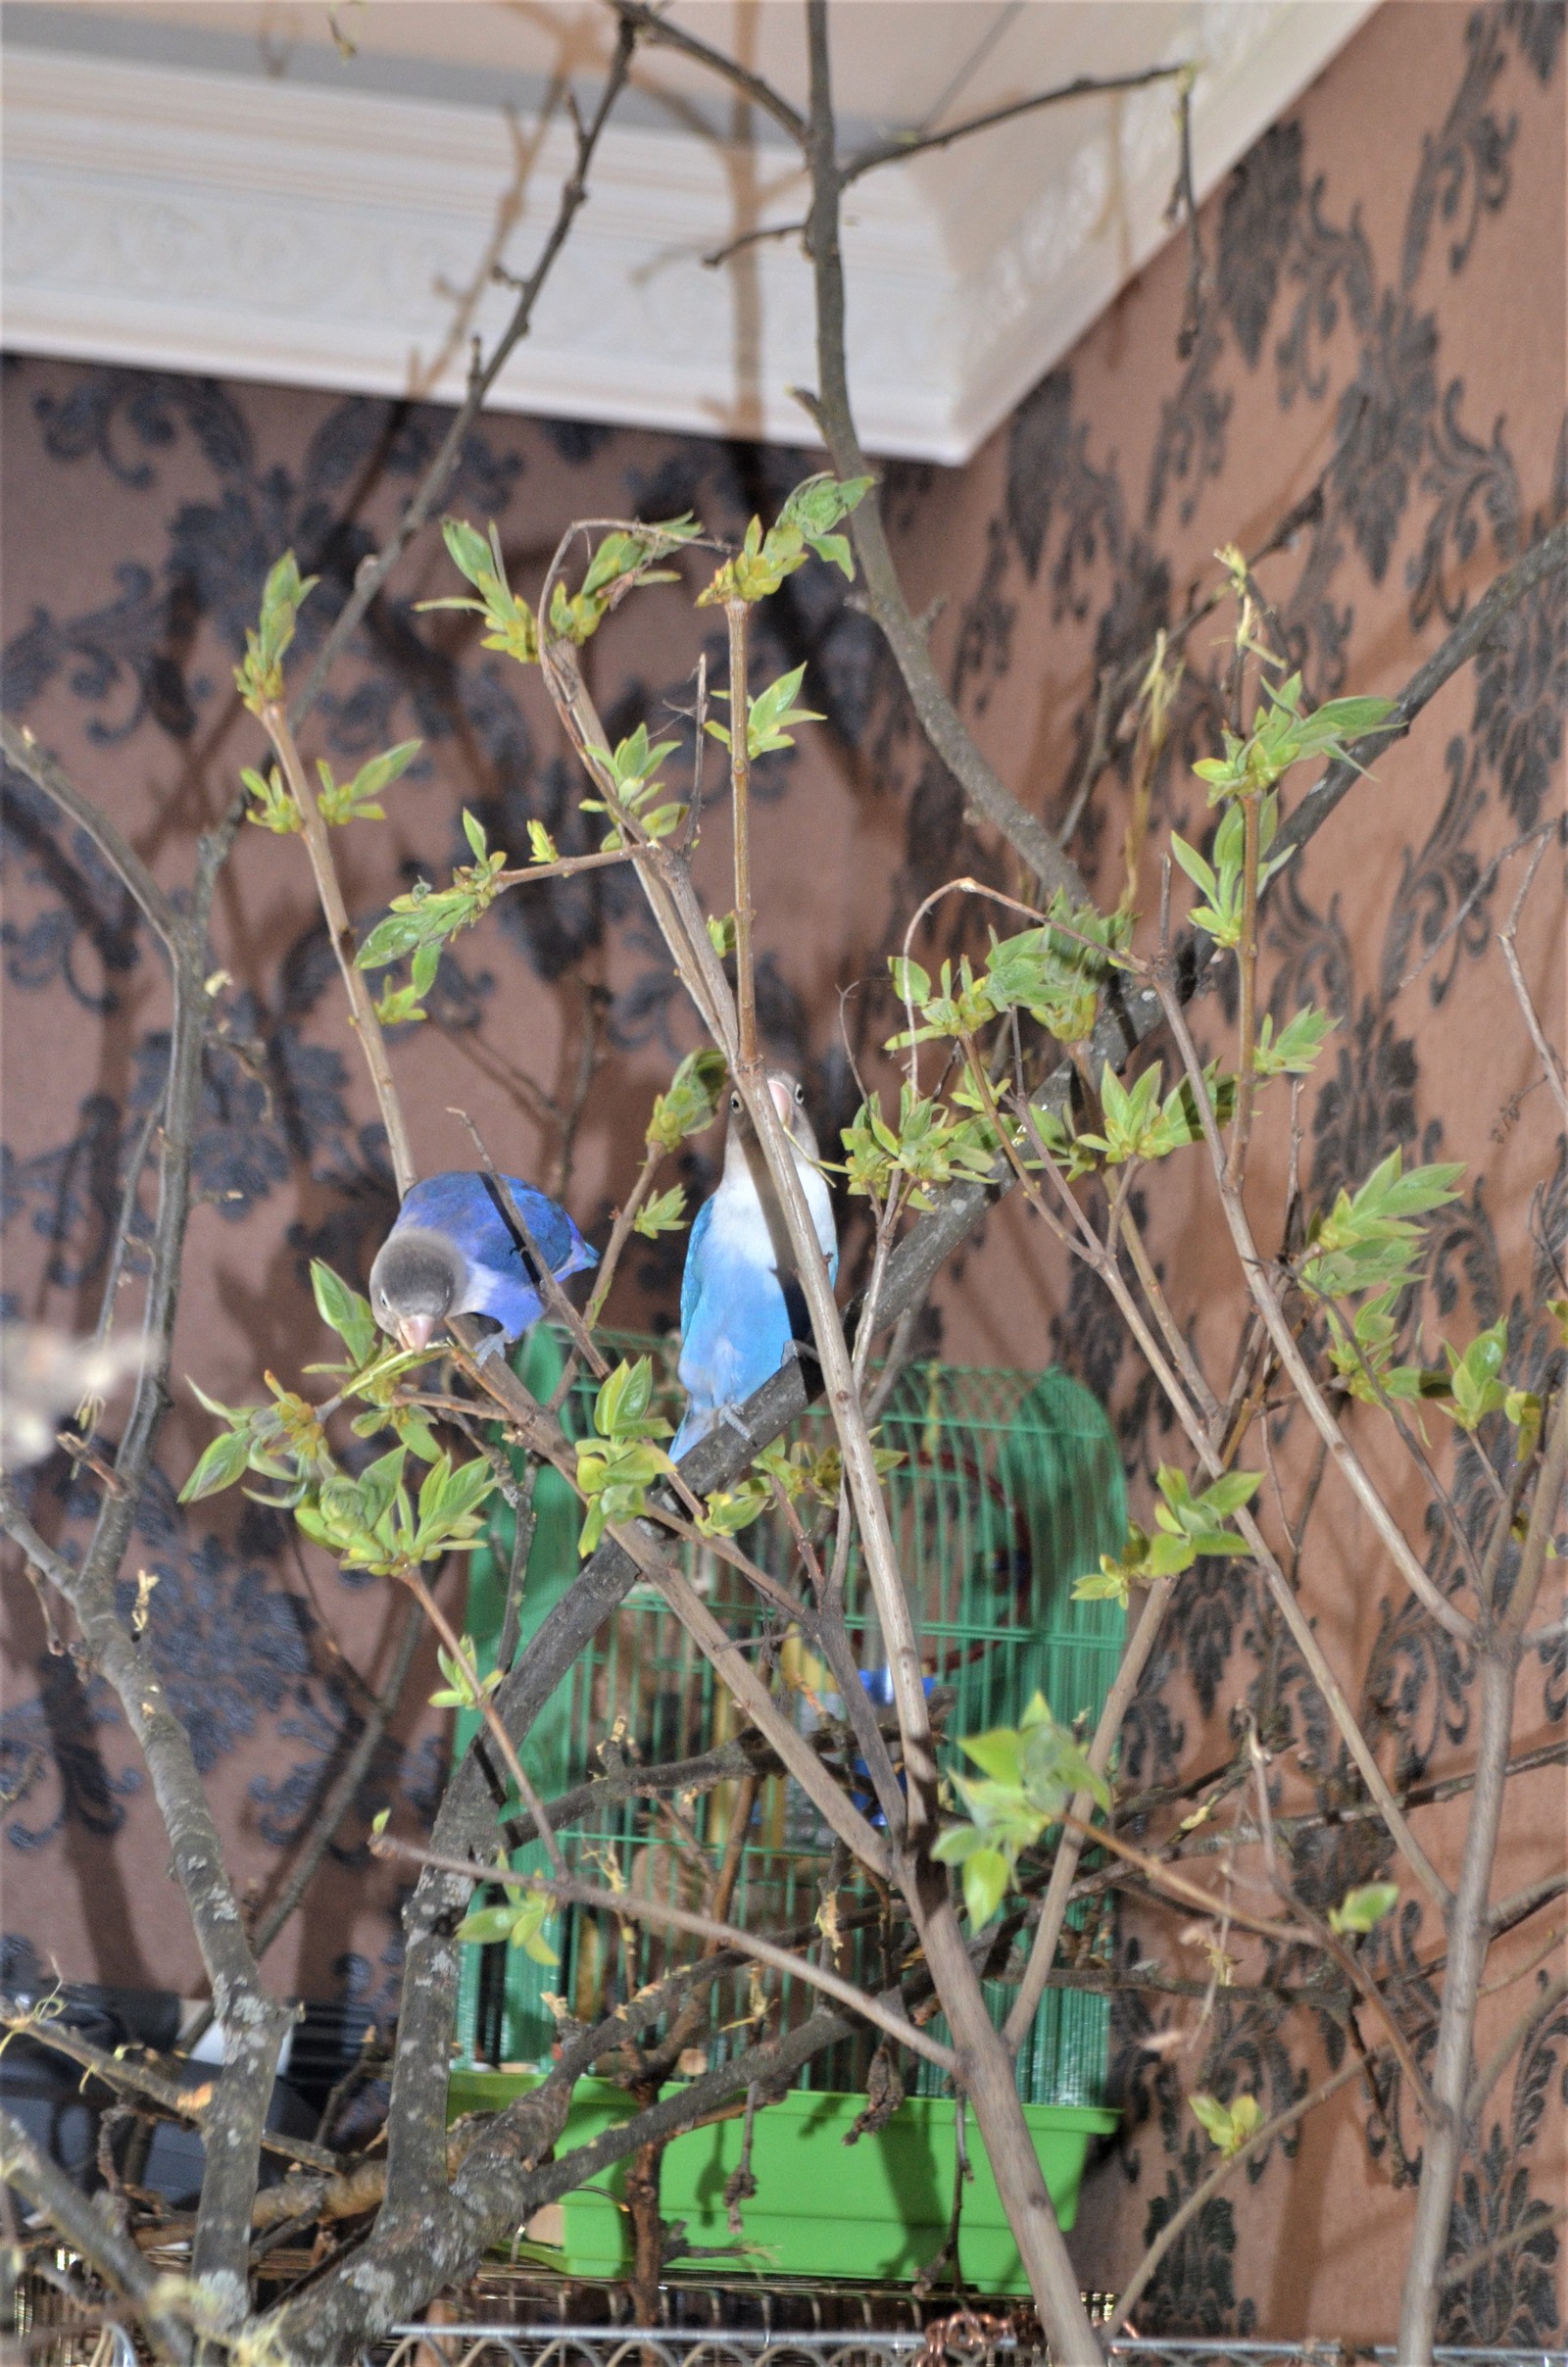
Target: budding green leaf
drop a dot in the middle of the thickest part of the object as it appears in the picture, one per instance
(804, 523)
(1228, 2127)
(338, 1304)
(665, 1213)
(1360, 1909)
(691, 1101)
(259, 679)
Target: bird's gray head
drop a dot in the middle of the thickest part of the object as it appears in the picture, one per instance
(416, 1280)
(789, 1100)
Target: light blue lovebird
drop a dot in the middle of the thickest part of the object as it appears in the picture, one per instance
(454, 1251)
(741, 1304)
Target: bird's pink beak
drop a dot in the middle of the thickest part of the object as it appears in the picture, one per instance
(414, 1331)
(781, 1101)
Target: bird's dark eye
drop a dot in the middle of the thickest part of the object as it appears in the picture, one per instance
(800, 1094)
(734, 1101)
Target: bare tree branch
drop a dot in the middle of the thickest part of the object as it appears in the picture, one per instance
(24, 752)
(372, 573)
(904, 144)
(830, 408)
(110, 2254)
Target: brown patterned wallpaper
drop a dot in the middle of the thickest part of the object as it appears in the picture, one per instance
(1386, 321)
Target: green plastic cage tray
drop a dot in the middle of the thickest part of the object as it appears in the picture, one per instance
(875, 2212)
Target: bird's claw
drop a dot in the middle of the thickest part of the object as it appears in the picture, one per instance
(732, 1421)
(490, 1346)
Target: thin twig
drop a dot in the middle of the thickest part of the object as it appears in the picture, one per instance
(664, 32)
(1184, 202)
(371, 573)
(830, 408)
(1535, 2223)
(1181, 2219)
(1482, 889)
(1550, 1058)
(750, 238)
(341, 929)
(1246, 982)
(120, 2072)
(335, 1806)
(112, 2255)
(903, 145)
(1546, 557)
(23, 750)
(1540, 2007)
(1340, 1452)
(1300, 1626)
(483, 1703)
(739, 779)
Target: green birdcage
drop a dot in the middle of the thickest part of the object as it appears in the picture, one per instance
(1009, 1487)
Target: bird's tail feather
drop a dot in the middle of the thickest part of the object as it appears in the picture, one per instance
(582, 1255)
(695, 1425)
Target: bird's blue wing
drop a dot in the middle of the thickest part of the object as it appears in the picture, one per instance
(691, 1281)
(466, 1207)
(445, 1203)
(471, 1212)
(738, 1332)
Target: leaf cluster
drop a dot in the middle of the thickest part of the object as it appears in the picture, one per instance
(1223, 883)
(666, 1212)
(690, 1101)
(1186, 1528)
(285, 1442)
(519, 1922)
(616, 1468)
(1369, 1247)
(1228, 2126)
(805, 524)
(770, 717)
(622, 558)
(259, 678)
(1140, 1125)
(805, 1474)
(1361, 1910)
(1283, 736)
(273, 804)
(374, 1523)
(630, 781)
(359, 800)
(458, 1691)
(1370, 1238)
(930, 1146)
(1477, 1386)
(427, 916)
(1056, 973)
(1028, 1774)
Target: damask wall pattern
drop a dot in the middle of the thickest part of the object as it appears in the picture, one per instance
(1380, 353)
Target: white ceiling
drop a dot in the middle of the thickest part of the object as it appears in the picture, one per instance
(211, 185)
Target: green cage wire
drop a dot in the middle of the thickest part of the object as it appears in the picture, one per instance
(1010, 1487)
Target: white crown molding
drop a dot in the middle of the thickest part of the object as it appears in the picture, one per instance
(201, 222)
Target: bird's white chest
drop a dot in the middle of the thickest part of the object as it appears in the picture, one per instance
(737, 1227)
